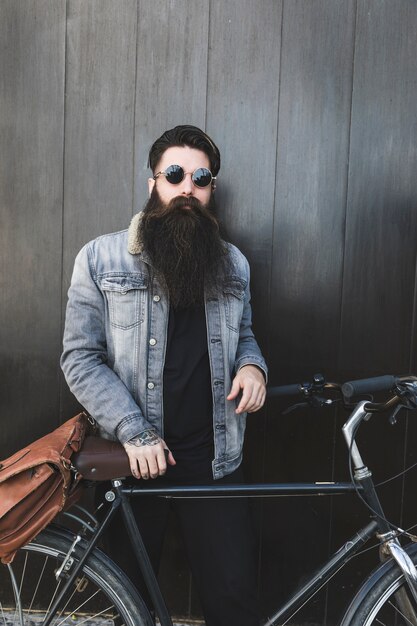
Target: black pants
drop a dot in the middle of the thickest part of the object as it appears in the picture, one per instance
(221, 550)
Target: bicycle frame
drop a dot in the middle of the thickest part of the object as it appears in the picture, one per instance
(119, 497)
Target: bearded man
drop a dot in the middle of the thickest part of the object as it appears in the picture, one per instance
(158, 347)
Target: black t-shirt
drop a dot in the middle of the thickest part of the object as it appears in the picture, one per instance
(188, 403)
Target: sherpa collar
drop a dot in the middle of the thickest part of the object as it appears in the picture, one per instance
(134, 242)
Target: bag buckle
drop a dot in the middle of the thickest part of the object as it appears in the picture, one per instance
(67, 464)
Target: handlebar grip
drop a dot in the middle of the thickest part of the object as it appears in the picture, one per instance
(368, 385)
(283, 390)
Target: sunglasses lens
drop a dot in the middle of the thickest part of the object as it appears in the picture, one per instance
(202, 177)
(174, 174)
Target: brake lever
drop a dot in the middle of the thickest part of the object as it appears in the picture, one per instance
(408, 394)
(294, 407)
(317, 402)
(313, 401)
(393, 417)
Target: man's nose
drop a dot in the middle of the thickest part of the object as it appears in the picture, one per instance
(187, 186)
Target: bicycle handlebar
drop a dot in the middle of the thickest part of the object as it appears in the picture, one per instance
(368, 385)
(310, 390)
(284, 390)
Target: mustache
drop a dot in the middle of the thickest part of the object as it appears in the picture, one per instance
(179, 203)
(180, 211)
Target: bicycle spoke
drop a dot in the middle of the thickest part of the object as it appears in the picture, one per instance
(65, 606)
(400, 613)
(23, 573)
(53, 597)
(2, 614)
(397, 610)
(89, 617)
(37, 586)
(77, 609)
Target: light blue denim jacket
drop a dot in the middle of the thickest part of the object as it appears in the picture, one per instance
(115, 340)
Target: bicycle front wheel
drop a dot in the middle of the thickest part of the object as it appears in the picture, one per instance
(385, 599)
(101, 593)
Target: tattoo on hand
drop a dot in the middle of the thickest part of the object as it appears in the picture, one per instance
(145, 438)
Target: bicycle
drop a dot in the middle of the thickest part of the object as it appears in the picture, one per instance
(84, 584)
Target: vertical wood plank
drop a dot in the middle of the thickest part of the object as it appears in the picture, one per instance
(99, 127)
(242, 112)
(313, 143)
(99, 120)
(381, 225)
(172, 75)
(381, 218)
(32, 36)
(381, 246)
(377, 325)
(170, 90)
(311, 182)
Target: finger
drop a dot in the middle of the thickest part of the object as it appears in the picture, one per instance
(258, 403)
(161, 461)
(263, 397)
(251, 407)
(152, 464)
(256, 399)
(246, 399)
(234, 392)
(135, 470)
(143, 467)
(170, 458)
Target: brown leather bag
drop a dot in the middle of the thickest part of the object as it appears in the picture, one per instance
(36, 483)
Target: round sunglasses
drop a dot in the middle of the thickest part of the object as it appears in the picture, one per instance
(201, 177)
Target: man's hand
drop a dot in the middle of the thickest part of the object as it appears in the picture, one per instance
(146, 454)
(251, 382)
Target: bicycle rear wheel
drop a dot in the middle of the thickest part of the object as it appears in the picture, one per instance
(101, 595)
(385, 599)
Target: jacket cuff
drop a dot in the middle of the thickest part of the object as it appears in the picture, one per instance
(131, 426)
(253, 360)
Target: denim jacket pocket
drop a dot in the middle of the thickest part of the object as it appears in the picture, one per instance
(234, 293)
(126, 296)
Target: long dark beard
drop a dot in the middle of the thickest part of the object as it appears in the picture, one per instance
(184, 245)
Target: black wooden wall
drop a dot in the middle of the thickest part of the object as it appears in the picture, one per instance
(313, 104)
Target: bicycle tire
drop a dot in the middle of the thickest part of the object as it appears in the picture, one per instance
(101, 595)
(384, 599)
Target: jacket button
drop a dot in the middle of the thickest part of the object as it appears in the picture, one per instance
(152, 341)
(156, 298)
(151, 385)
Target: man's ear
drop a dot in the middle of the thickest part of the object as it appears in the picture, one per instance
(151, 185)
